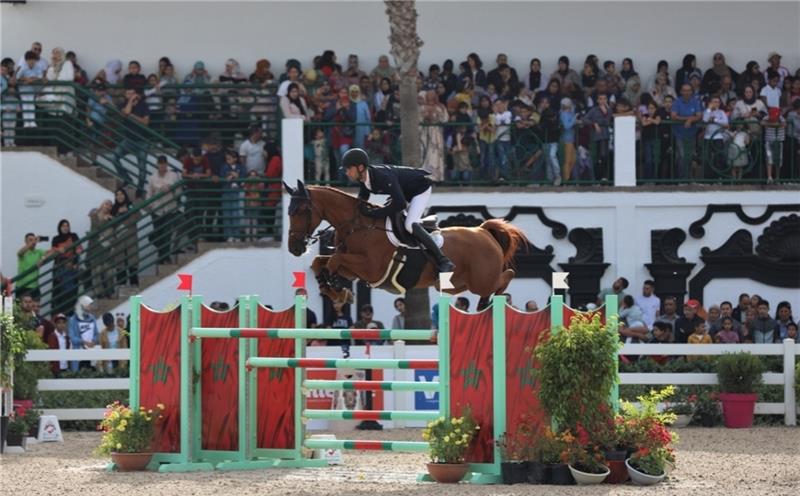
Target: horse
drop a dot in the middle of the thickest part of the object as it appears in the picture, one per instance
(482, 255)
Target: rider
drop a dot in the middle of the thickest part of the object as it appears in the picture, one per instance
(407, 187)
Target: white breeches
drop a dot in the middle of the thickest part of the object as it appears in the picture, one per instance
(416, 208)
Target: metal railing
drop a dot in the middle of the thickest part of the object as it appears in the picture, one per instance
(738, 154)
(460, 154)
(153, 232)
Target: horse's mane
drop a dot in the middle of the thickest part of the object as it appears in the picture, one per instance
(336, 191)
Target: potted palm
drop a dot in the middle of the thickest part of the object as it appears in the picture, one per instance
(739, 376)
(128, 435)
(585, 459)
(449, 440)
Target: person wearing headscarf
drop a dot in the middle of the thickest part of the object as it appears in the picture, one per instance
(563, 72)
(65, 267)
(568, 121)
(432, 115)
(233, 73)
(262, 74)
(384, 70)
(661, 88)
(633, 91)
(59, 99)
(627, 71)
(535, 81)
(199, 75)
(687, 70)
(362, 116)
(126, 241)
(111, 73)
(713, 77)
(751, 74)
(293, 104)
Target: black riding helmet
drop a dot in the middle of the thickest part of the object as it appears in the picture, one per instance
(353, 157)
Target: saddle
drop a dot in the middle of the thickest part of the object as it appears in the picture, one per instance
(395, 225)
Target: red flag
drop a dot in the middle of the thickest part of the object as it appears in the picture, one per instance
(299, 280)
(186, 282)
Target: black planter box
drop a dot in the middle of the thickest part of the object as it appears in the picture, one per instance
(514, 472)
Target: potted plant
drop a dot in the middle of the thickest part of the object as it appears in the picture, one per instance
(705, 408)
(128, 435)
(611, 437)
(514, 451)
(31, 417)
(568, 397)
(16, 431)
(12, 345)
(546, 457)
(449, 439)
(682, 411)
(739, 376)
(648, 466)
(585, 459)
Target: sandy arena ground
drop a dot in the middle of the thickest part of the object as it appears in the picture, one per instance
(710, 462)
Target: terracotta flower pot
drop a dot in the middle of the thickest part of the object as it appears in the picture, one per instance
(738, 409)
(448, 473)
(130, 462)
(619, 472)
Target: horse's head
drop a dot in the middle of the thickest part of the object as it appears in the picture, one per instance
(303, 218)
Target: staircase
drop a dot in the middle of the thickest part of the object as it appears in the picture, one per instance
(162, 271)
(76, 163)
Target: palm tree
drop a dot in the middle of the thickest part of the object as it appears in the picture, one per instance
(405, 46)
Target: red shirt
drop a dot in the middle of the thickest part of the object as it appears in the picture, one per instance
(274, 171)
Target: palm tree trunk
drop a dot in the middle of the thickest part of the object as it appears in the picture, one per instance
(405, 47)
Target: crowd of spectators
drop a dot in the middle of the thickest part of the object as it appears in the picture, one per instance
(476, 124)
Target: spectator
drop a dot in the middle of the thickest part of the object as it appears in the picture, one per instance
(687, 70)
(199, 75)
(59, 340)
(311, 317)
(196, 169)
(628, 71)
(740, 311)
(447, 78)
(774, 138)
(774, 60)
(274, 171)
(161, 210)
(83, 331)
(714, 136)
(462, 304)
(687, 110)
(377, 146)
(29, 258)
(632, 329)
(754, 301)
(136, 114)
(726, 93)
(288, 65)
(432, 80)
(343, 114)
(353, 73)
(41, 62)
(633, 91)
(152, 94)
(535, 82)
(486, 136)
(726, 334)
(550, 127)
(771, 93)
(600, 117)
(660, 88)
(474, 71)
(59, 100)
(320, 148)
(531, 306)
(292, 77)
(111, 338)
(29, 76)
(588, 76)
(613, 81)
(365, 322)
(262, 74)
(460, 147)
(339, 319)
(134, 78)
(381, 97)
(232, 172)
(791, 332)
(100, 250)
(718, 71)
(399, 320)
(432, 115)
(251, 151)
(650, 116)
(253, 203)
(669, 315)
(98, 104)
(751, 76)
(9, 102)
(617, 288)
(126, 242)
(293, 105)
(233, 73)
(564, 72)
(649, 303)
(763, 328)
(725, 310)
(362, 116)
(662, 332)
(783, 317)
(167, 77)
(685, 326)
(713, 317)
(385, 70)
(699, 335)
(111, 73)
(65, 267)
(502, 121)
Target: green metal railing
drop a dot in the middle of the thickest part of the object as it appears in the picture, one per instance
(129, 246)
(736, 155)
(521, 160)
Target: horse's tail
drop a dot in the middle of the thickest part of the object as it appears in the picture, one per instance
(509, 237)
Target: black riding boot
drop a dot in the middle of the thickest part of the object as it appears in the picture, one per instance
(443, 263)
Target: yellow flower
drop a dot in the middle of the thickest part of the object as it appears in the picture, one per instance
(458, 431)
(148, 418)
(123, 422)
(121, 428)
(447, 439)
(119, 445)
(454, 421)
(458, 442)
(440, 419)
(141, 408)
(425, 436)
(150, 411)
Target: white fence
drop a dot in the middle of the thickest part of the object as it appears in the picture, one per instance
(788, 350)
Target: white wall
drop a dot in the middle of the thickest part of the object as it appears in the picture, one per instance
(213, 32)
(37, 192)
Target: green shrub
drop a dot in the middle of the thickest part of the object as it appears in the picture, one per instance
(739, 373)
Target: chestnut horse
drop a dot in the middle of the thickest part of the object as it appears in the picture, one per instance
(482, 255)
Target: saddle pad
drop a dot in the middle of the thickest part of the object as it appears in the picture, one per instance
(395, 241)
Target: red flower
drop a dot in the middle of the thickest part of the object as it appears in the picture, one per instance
(692, 398)
(583, 436)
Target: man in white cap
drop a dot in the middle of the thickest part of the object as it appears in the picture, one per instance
(82, 329)
(774, 63)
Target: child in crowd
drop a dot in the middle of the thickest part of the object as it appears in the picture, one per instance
(460, 146)
(322, 164)
(377, 146)
(727, 335)
(791, 332)
(111, 337)
(253, 203)
(568, 122)
(502, 119)
(59, 340)
(233, 171)
(774, 136)
(699, 336)
(486, 137)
